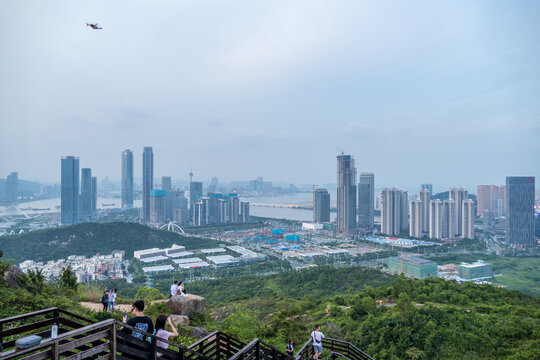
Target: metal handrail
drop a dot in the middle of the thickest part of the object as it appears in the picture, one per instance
(353, 352)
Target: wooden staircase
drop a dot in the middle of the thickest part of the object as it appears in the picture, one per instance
(79, 338)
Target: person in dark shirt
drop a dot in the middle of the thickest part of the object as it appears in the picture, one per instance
(139, 322)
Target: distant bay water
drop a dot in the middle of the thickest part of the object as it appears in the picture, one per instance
(301, 199)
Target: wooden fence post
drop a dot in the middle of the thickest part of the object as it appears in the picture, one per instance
(112, 341)
(54, 350)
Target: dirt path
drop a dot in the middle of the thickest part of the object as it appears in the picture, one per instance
(117, 307)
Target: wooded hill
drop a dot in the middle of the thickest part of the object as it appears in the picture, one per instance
(91, 238)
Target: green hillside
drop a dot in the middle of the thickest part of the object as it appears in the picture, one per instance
(404, 319)
(90, 238)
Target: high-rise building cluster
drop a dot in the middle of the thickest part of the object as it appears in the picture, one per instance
(449, 218)
(394, 211)
(219, 208)
(421, 216)
(355, 202)
(77, 203)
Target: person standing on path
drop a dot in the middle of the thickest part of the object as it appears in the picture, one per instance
(317, 337)
(112, 300)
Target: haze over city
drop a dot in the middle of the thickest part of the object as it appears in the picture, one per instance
(445, 93)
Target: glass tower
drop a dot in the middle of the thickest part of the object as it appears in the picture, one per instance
(520, 211)
(127, 178)
(70, 190)
(148, 181)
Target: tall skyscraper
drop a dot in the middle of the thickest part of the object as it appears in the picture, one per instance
(424, 197)
(195, 193)
(435, 219)
(199, 213)
(520, 211)
(366, 200)
(86, 192)
(346, 194)
(179, 207)
(321, 205)
(448, 219)
(127, 178)
(416, 218)
(404, 212)
(12, 187)
(213, 184)
(467, 221)
(244, 212)
(94, 195)
(157, 205)
(394, 209)
(69, 203)
(148, 181)
(428, 187)
(166, 183)
(234, 208)
(458, 195)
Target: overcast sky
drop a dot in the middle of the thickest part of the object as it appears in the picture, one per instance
(416, 91)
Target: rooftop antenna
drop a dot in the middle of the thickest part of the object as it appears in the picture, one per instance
(190, 174)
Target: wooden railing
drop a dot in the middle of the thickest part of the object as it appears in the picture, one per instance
(217, 345)
(96, 341)
(339, 347)
(79, 338)
(38, 323)
(258, 349)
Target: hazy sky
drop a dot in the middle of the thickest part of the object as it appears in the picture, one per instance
(417, 91)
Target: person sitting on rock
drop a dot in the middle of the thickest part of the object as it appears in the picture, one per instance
(163, 334)
(181, 291)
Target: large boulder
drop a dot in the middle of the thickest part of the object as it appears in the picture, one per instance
(13, 276)
(187, 305)
(198, 332)
(180, 320)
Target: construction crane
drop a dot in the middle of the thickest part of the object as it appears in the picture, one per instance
(401, 262)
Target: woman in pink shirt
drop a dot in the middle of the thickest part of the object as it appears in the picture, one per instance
(163, 334)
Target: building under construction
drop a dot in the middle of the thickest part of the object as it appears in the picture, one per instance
(412, 266)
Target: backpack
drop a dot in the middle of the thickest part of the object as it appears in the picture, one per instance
(104, 299)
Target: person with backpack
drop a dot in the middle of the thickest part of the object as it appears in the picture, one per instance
(290, 348)
(105, 300)
(140, 321)
(317, 336)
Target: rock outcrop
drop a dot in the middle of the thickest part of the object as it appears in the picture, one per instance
(13, 275)
(187, 305)
(180, 320)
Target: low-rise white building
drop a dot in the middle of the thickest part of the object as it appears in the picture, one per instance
(155, 269)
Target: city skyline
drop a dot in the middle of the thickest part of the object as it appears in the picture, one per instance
(304, 80)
